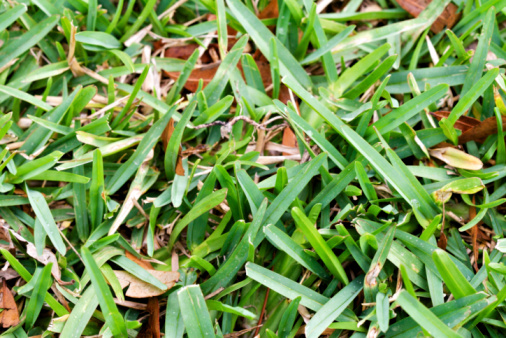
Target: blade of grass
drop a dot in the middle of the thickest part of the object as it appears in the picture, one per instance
(114, 319)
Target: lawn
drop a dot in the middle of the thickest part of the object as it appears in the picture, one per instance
(244, 168)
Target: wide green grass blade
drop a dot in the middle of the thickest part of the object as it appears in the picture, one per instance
(195, 313)
(147, 143)
(320, 246)
(424, 317)
(15, 47)
(46, 219)
(81, 314)
(36, 301)
(453, 278)
(333, 308)
(113, 318)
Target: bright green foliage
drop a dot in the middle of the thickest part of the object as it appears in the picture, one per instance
(240, 168)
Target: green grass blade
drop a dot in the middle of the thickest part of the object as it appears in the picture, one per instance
(195, 313)
(114, 319)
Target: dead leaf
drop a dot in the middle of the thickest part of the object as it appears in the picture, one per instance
(442, 241)
(289, 138)
(185, 51)
(179, 163)
(448, 18)
(464, 123)
(47, 257)
(8, 274)
(271, 11)
(206, 73)
(10, 315)
(145, 264)
(140, 289)
(456, 158)
(167, 133)
(481, 131)
(151, 328)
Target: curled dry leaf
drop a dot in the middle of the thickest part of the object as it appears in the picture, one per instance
(47, 257)
(140, 289)
(481, 131)
(167, 133)
(208, 71)
(456, 158)
(179, 163)
(271, 11)
(448, 18)
(10, 315)
(142, 262)
(464, 123)
(8, 274)
(473, 129)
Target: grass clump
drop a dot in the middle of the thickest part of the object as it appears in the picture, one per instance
(240, 168)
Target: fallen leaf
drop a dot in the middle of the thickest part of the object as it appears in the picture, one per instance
(456, 158)
(271, 11)
(442, 241)
(481, 131)
(185, 51)
(140, 289)
(8, 274)
(145, 264)
(47, 257)
(10, 315)
(167, 133)
(206, 73)
(448, 18)
(179, 163)
(289, 139)
(464, 123)
(465, 186)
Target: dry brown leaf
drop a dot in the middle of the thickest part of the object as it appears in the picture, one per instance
(271, 11)
(481, 131)
(208, 71)
(448, 18)
(185, 51)
(289, 138)
(442, 241)
(8, 274)
(167, 133)
(145, 264)
(464, 123)
(179, 163)
(47, 257)
(140, 289)
(10, 315)
(456, 158)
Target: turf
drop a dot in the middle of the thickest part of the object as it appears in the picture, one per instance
(265, 168)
